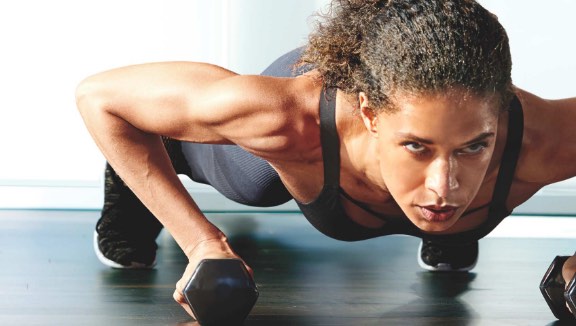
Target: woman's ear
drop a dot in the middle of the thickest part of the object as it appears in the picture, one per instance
(369, 116)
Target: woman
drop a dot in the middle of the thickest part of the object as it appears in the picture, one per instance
(406, 122)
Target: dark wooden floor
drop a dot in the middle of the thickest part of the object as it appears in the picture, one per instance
(50, 276)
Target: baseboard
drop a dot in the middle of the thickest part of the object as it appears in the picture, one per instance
(88, 195)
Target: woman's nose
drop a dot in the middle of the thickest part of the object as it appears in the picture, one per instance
(441, 177)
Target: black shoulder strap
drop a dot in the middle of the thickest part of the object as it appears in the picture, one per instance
(510, 156)
(329, 137)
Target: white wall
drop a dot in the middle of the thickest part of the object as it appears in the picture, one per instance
(543, 53)
(48, 159)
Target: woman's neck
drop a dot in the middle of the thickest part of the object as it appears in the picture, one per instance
(358, 148)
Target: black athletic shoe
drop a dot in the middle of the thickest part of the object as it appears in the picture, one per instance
(435, 256)
(126, 233)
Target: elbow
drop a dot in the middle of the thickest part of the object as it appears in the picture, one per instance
(84, 92)
(87, 97)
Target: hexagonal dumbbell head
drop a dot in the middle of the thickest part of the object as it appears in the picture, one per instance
(553, 287)
(221, 292)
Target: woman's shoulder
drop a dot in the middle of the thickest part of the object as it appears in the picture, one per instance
(279, 120)
(549, 140)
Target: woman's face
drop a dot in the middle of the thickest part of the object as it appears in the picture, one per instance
(434, 153)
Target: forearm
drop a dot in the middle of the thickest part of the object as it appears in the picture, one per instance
(142, 162)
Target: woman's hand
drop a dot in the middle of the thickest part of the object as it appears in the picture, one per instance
(569, 269)
(207, 249)
(568, 272)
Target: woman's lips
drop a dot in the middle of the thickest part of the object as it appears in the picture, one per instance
(437, 214)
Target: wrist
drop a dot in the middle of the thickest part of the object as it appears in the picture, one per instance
(209, 242)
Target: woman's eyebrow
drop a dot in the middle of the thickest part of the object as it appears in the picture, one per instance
(410, 136)
(482, 136)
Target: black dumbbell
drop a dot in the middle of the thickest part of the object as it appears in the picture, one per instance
(221, 292)
(555, 292)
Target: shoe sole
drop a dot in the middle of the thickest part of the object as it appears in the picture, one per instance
(442, 267)
(113, 264)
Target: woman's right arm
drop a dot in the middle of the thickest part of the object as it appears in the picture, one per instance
(125, 111)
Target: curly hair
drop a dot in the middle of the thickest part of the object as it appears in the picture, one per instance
(380, 47)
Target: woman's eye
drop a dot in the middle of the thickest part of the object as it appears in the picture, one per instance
(415, 148)
(474, 148)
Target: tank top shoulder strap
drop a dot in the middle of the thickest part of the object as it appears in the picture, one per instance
(329, 137)
(509, 159)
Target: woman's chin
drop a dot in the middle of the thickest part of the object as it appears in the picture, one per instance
(434, 226)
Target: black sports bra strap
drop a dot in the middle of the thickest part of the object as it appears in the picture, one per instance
(510, 156)
(329, 137)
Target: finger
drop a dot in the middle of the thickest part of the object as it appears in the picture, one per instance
(188, 323)
(569, 269)
(180, 286)
(186, 307)
(179, 298)
(250, 270)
